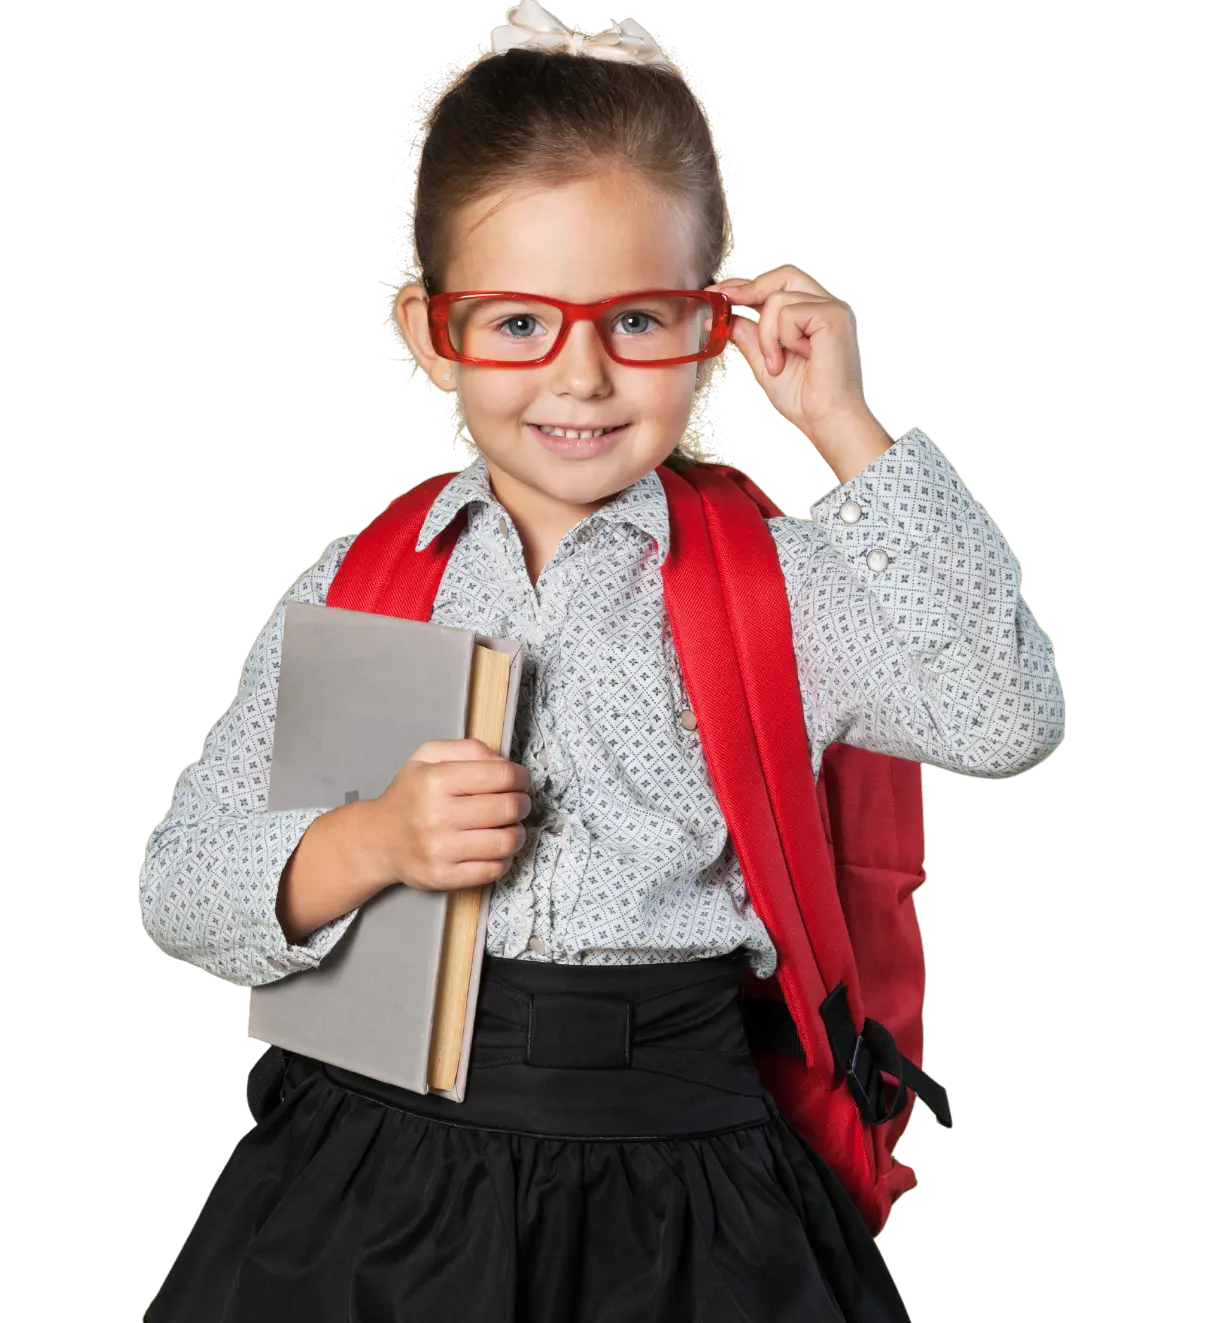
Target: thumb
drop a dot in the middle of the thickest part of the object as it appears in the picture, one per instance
(439, 751)
(745, 334)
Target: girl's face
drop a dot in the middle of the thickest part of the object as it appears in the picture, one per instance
(604, 235)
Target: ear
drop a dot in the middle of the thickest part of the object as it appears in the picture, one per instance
(410, 316)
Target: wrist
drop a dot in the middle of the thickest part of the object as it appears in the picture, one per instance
(850, 441)
(366, 849)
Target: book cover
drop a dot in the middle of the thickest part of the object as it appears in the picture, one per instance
(358, 694)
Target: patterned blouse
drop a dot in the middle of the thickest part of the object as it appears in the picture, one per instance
(911, 639)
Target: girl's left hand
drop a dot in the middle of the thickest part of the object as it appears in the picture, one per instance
(804, 354)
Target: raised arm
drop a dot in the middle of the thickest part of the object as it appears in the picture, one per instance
(911, 635)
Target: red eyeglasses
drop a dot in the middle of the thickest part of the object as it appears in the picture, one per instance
(653, 328)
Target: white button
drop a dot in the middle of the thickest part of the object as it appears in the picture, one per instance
(536, 945)
(849, 512)
(543, 757)
(877, 559)
(687, 719)
(502, 525)
(553, 828)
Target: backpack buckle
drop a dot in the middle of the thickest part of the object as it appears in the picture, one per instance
(860, 1057)
(865, 1082)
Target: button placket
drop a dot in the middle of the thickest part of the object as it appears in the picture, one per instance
(571, 861)
(684, 714)
(494, 531)
(540, 909)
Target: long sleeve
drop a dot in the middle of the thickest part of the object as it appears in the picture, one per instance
(208, 885)
(911, 635)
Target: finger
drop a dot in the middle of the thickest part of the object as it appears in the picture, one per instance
(743, 292)
(784, 324)
(487, 843)
(480, 776)
(745, 334)
(754, 340)
(771, 340)
(467, 812)
(753, 293)
(474, 873)
(439, 751)
(793, 319)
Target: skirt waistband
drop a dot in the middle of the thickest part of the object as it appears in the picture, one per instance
(586, 1051)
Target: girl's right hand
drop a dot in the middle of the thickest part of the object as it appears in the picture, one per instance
(451, 818)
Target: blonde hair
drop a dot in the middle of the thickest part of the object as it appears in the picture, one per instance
(557, 117)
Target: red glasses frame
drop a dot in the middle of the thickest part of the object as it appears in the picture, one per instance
(438, 313)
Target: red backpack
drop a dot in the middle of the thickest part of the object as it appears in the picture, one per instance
(830, 871)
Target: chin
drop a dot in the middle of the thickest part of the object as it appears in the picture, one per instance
(585, 488)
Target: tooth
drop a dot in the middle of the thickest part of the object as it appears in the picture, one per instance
(573, 435)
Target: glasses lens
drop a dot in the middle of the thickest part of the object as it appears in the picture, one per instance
(655, 328)
(507, 330)
(640, 330)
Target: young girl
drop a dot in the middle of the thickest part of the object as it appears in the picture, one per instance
(579, 170)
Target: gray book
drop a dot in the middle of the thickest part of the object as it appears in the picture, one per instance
(358, 694)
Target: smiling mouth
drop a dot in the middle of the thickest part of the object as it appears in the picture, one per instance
(576, 433)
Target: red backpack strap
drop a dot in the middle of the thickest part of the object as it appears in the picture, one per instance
(728, 548)
(878, 825)
(699, 618)
(383, 573)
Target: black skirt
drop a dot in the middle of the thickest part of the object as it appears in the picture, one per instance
(616, 1159)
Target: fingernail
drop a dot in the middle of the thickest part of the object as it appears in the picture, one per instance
(767, 360)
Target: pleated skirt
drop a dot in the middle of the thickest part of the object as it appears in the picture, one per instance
(616, 1160)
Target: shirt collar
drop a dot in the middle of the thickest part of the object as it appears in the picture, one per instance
(642, 504)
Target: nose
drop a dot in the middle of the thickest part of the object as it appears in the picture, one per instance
(581, 366)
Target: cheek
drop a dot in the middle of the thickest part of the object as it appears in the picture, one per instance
(662, 398)
(665, 397)
(498, 394)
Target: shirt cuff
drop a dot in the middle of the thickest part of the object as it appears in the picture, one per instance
(900, 500)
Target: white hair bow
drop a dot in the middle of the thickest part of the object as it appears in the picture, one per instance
(538, 27)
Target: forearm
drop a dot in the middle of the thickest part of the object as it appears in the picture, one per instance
(335, 868)
(850, 442)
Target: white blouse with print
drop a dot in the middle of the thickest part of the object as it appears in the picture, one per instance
(911, 639)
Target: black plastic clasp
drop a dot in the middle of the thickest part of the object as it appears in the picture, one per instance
(862, 1057)
(865, 1082)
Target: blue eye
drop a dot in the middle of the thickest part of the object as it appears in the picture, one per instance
(519, 317)
(630, 316)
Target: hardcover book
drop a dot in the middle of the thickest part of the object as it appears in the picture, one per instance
(358, 694)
